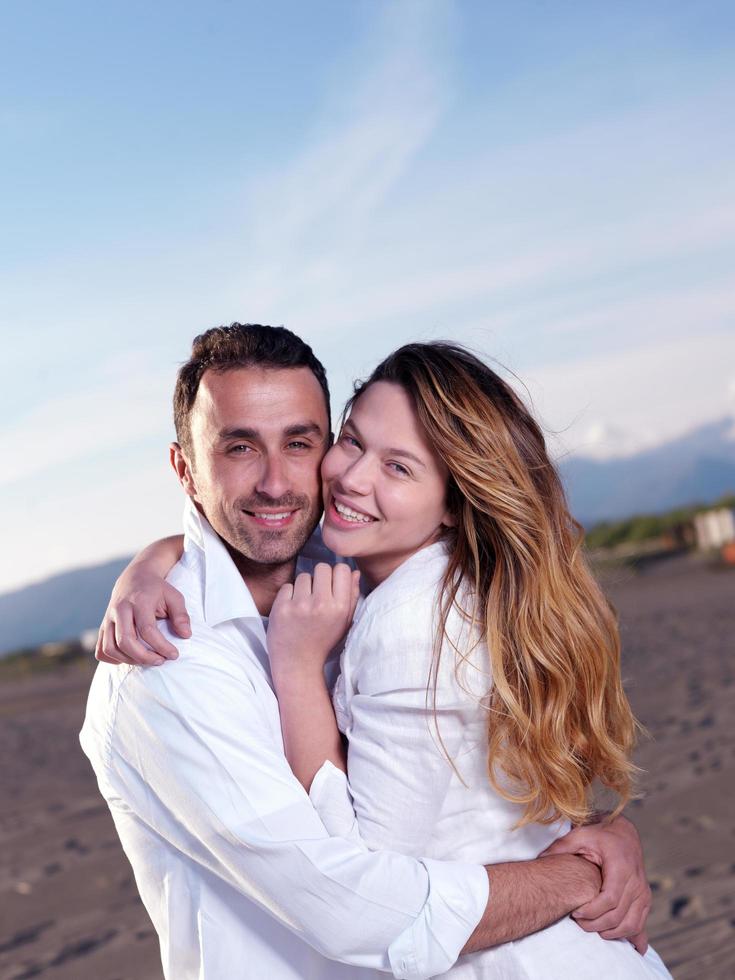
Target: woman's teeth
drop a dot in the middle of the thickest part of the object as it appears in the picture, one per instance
(352, 515)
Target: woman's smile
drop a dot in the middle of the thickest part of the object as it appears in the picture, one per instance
(385, 489)
(346, 516)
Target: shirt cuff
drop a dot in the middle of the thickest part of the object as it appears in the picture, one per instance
(458, 897)
(330, 796)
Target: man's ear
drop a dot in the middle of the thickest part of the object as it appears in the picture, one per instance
(183, 469)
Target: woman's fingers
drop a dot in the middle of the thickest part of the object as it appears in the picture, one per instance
(341, 583)
(178, 618)
(322, 584)
(302, 586)
(100, 648)
(355, 591)
(127, 643)
(107, 649)
(640, 942)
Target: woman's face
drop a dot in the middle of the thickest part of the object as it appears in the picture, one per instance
(385, 489)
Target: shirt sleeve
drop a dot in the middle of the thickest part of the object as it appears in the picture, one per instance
(194, 752)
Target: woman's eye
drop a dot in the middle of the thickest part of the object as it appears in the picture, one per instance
(399, 469)
(348, 440)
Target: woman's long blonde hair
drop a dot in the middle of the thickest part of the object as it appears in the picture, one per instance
(558, 716)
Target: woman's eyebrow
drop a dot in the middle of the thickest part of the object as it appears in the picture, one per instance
(406, 455)
(391, 452)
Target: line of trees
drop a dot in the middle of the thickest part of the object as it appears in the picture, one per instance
(647, 527)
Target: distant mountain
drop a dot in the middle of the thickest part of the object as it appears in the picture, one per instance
(695, 468)
(58, 608)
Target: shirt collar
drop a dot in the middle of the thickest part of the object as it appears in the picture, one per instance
(225, 594)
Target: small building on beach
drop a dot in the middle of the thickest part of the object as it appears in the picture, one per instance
(715, 528)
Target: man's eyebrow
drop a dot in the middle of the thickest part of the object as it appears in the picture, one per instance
(238, 433)
(299, 429)
(304, 429)
(390, 452)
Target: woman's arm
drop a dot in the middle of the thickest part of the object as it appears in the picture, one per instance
(141, 596)
(307, 621)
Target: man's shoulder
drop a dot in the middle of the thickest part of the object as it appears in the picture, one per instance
(187, 576)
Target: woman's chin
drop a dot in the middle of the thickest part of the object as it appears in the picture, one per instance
(336, 542)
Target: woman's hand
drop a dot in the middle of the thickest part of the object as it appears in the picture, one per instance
(621, 909)
(307, 621)
(309, 618)
(129, 634)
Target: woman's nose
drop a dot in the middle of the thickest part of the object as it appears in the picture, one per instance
(357, 478)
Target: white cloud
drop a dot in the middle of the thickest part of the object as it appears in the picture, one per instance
(126, 403)
(622, 403)
(62, 522)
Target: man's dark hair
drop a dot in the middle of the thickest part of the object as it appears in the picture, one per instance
(239, 345)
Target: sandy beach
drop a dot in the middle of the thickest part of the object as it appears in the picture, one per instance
(69, 906)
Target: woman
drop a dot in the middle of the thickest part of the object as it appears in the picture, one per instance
(480, 690)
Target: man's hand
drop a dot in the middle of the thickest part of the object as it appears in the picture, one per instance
(526, 896)
(622, 906)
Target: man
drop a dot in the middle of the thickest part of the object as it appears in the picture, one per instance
(233, 864)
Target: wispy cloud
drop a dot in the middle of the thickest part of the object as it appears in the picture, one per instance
(621, 403)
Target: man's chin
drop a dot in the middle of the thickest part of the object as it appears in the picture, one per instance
(272, 547)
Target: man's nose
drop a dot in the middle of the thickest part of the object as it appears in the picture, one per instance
(273, 480)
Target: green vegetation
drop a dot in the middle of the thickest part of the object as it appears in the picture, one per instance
(41, 660)
(647, 527)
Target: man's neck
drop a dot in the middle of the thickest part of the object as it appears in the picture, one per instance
(263, 581)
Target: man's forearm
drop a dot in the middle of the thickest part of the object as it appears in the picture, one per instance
(526, 896)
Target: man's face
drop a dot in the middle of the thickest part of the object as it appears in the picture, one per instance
(258, 437)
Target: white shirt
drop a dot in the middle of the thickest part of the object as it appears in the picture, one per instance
(233, 864)
(400, 745)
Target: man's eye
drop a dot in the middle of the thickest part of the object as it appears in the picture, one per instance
(298, 444)
(240, 448)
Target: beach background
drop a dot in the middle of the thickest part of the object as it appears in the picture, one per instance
(70, 909)
(551, 183)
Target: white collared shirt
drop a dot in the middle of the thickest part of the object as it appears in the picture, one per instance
(400, 747)
(232, 862)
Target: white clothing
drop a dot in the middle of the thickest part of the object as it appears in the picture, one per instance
(232, 862)
(405, 795)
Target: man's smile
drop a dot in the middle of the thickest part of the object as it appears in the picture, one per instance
(272, 518)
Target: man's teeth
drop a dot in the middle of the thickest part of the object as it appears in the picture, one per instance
(272, 517)
(351, 515)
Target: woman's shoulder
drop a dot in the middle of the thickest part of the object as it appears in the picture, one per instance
(394, 639)
(413, 584)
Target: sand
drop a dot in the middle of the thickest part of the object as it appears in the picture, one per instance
(68, 904)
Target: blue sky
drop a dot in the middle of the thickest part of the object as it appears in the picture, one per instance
(550, 182)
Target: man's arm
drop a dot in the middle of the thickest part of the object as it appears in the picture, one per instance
(622, 906)
(526, 896)
(195, 753)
